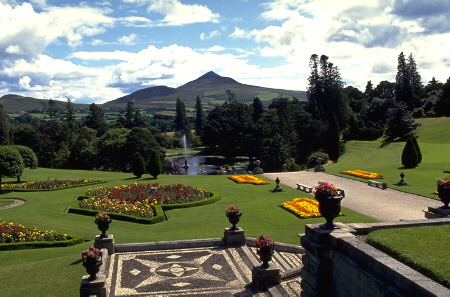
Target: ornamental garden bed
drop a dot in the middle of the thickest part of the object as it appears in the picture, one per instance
(14, 236)
(47, 185)
(363, 174)
(303, 208)
(248, 179)
(141, 202)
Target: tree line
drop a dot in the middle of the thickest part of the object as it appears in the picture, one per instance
(286, 131)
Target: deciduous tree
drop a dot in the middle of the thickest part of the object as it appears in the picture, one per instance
(11, 163)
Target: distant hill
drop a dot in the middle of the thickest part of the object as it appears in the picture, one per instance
(14, 103)
(210, 87)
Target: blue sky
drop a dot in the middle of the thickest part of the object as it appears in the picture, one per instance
(97, 51)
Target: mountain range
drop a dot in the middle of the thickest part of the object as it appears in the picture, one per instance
(212, 88)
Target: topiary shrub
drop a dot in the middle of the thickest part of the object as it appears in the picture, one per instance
(138, 165)
(409, 154)
(419, 152)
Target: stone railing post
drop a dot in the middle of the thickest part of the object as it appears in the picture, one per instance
(317, 265)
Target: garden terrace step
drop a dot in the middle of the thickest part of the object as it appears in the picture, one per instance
(198, 268)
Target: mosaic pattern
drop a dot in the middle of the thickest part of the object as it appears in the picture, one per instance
(202, 271)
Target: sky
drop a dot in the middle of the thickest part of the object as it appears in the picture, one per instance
(97, 51)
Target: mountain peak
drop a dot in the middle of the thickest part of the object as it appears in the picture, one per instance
(210, 78)
(209, 75)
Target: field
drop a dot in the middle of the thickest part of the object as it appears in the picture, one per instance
(385, 158)
(57, 271)
(46, 210)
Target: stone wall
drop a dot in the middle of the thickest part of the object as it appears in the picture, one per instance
(339, 263)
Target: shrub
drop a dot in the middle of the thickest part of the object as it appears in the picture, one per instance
(312, 159)
(409, 154)
(419, 152)
(155, 164)
(138, 165)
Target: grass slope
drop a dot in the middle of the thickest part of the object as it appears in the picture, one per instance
(385, 159)
(421, 248)
(34, 272)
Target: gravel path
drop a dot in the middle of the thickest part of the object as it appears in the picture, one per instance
(17, 202)
(384, 205)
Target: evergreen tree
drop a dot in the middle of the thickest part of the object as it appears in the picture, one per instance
(443, 103)
(199, 117)
(52, 111)
(368, 92)
(180, 122)
(138, 165)
(155, 165)
(129, 115)
(403, 89)
(96, 119)
(417, 147)
(138, 120)
(5, 127)
(415, 79)
(69, 115)
(258, 109)
(409, 154)
(399, 122)
(333, 140)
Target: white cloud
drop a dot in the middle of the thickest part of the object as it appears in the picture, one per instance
(128, 39)
(240, 33)
(210, 35)
(32, 32)
(176, 13)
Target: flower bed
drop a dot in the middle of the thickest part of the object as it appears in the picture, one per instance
(139, 199)
(11, 232)
(47, 185)
(363, 174)
(248, 179)
(304, 208)
(17, 236)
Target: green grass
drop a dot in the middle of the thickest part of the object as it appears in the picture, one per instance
(5, 202)
(57, 271)
(421, 248)
(34, 272)
(385, 159)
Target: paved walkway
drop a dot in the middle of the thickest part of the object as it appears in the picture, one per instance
(205, 268)
(384, 205)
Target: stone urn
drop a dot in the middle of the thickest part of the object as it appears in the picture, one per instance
(103, 226)
(92, 268)
(329, 207)
(265, 255)
(234, 218)
(444, 195)
(92, 260)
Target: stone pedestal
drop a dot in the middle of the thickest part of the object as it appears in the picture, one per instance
(105, 243)
(319, 168)
(234, 237)
(95, 287)
(265, 277)
(437, 213)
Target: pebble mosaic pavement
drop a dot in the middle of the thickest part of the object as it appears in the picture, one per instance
(207, 271)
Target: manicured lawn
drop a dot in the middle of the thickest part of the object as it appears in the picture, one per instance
(423, 248)
(375, 156)
(57, 271)
(5, 202)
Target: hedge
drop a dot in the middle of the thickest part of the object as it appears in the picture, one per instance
(159, 210)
